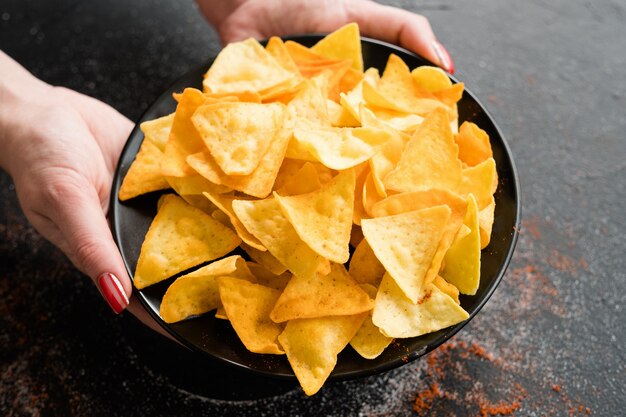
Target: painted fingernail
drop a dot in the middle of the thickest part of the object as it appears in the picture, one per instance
(444, 57)
(111, 289)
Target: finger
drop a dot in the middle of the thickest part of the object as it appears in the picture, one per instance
(76, 210)
(401, 27)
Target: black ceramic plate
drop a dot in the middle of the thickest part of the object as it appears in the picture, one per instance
(216, 338)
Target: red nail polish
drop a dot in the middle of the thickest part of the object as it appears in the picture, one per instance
(111, 289)
(444, 57)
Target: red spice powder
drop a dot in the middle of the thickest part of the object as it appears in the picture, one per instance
(425, 297)
(424, 399)
(556, 388)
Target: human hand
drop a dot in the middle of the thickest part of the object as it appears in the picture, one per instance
(236, 20)
(61, 149)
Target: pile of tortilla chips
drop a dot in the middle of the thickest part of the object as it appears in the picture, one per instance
(359, 205)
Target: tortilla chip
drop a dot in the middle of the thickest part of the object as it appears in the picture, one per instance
(144, 174)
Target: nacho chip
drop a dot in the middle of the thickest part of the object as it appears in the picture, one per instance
(368, 341)
(462, 260)
(245, 66)
(365, 267)
(339, 148)
(474, 145)
(179, 238)
(398, 316)
(305, 180)
(276, 47)
(335, 294)
(485, 219)
(247, 306)
(406, 244)
(238, 134)
(429, 159)
(447, 288)
(344, 43)
(430, 79)
(158, 130)
(323, 218)
(144, 174)
(480, 180)
(265, 220)
(259, 183)
(312, 346)
(184, 140)
(197, 293)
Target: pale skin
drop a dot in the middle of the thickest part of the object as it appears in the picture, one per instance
(61, 147)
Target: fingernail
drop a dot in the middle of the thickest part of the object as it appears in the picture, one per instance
(111, 289)
(444, 57)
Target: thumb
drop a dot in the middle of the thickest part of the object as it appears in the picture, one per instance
(411, 31)
(90, 245)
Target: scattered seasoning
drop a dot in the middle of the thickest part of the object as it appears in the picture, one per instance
(425, 297)
(556, 388)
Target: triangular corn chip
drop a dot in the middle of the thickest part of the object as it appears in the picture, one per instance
(238, 134)
(430, 79)
(267, 278)
(264, 258)
(429, 159)
(158, 130)
(335, 294)
(397, 316)
(184, 140)
(247, 307)
(447, 288)
(180, 237)
(344, 43)
(406, 244)
(197, 293)
(144, 174)
(259, 183)
(365, 267)
(485, 219)
(368, 341)
(462, 260)
(474, 145)
(480, 180)
(265, 220)
(245, 66)
(312, 346)
(323, 218)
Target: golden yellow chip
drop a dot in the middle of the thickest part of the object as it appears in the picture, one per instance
(429, 159)
(447, 288)
(144, 174)
(195, 184)
(462, 260)
(276, 47)
(238, 134)
(368, 341)
(197, 293)
(474, 145)
(480, 180)
(158, 130)
(365, 267)
(247, 306)
(344, 43)
(323, 218)
(398, 316)
(245, 66)
(309, 104)
(224, 202)
(406, 244)
(430, 79)
(264, 258)
(259, 183)
(339, 148)
(265, 220)
(485, 219)
(184, 140)
(335, 294)
(312, 346)
(180, 237)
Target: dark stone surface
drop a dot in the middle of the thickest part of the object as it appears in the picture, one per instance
(550, 341)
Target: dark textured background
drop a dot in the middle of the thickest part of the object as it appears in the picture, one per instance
(549, 342)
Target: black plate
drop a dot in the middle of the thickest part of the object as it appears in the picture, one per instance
(216, 338)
